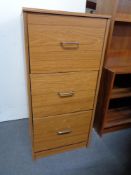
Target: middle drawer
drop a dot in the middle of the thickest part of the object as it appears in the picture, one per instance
(61, 93)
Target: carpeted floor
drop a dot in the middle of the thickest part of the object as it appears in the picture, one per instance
(109, 155)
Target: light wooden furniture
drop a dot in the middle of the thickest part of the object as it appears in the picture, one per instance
(117, 64)
(65, 54)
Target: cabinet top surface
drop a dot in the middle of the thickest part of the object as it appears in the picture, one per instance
(43, 11)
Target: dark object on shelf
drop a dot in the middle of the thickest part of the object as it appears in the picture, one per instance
(91, 5)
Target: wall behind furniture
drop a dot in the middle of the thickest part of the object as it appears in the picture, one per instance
(13, 91)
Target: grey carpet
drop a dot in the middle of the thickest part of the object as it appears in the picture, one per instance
(109, 155)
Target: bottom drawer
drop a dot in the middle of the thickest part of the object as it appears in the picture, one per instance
(61, 130)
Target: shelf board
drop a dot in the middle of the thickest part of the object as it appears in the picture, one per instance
(120, 69)
(118, 116)
(123, 17)
(117, 53)
(120, 93)
(119, 57)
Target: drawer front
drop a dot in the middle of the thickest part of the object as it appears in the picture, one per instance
(54, 94)
(61, 130)
(64, 43)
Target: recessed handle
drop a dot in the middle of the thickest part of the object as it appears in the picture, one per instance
(66, 131)
(70, 45)
(66, 94)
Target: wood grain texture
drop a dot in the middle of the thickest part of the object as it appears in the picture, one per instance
(112, 117)
(120, 70)
(45, 89)
(120, 48)
(66, 53)
(49, 32)
(120, 93)
(117, 128)
(46, 130)
(106, 86)
(120, 17)
(119, 41)
(117, 59)
(107, 7)
(64, 13)
(59, 150)
(100, 75)
(27, 55)
(62, 20)
(124, 7)
(117, 117)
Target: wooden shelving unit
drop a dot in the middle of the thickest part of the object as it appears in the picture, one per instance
(120, 17)
(113, 110)
(120, 93)
(119, 116)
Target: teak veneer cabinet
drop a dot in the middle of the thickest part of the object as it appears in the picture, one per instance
(65, 54)
(113, 111)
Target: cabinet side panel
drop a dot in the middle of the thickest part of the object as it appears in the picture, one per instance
(27, 55)
(100, 71)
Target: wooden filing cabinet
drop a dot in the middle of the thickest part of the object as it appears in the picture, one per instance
(65, 54)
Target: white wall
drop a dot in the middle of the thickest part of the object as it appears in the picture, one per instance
(13, 92)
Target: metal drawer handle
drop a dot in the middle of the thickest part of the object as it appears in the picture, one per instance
(73, 42)
(70, 45)
(66, 131)
(66, 94)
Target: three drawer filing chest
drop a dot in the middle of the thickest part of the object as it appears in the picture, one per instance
(65, 53)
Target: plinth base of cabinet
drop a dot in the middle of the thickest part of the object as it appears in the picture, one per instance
(116, 128)
(58, 150)
(113, 129)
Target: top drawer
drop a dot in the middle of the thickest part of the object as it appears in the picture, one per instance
(64, 43)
